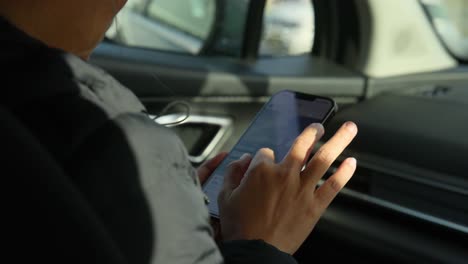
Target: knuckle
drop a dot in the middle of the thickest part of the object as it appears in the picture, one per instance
(234, 167)
(301, 142)
(335, 185)
(344, 134)
(261, 166)
(324, 156)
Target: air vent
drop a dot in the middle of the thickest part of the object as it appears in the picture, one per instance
(437, 91)
(427, 91)
(417, 195)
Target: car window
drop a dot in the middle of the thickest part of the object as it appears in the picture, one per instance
(194, 17)
(174, 25)
(288, 28)
(189, 26)
(450, 20)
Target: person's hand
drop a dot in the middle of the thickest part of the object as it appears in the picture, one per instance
(279, 203)
(206, 169)
(204, 172)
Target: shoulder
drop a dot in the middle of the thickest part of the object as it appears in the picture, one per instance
(102, 89)
(155, 146)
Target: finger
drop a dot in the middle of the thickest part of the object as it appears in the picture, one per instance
(235, 172)
(206, 169)
(328, 153)
(302, 146)
(332, 186)
(263, 155)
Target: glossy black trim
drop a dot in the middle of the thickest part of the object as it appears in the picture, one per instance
(253, 30)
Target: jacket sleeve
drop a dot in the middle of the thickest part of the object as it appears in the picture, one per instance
(253, 251)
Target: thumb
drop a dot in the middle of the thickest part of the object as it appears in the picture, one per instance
(206, 169)
(234, 173)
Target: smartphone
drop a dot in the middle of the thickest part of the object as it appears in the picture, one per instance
(275, 126)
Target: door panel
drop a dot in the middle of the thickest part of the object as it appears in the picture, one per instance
(144, 71)
(223, 87)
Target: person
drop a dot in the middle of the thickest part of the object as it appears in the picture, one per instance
(97, 181)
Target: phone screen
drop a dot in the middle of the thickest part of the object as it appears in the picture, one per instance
(276, 126)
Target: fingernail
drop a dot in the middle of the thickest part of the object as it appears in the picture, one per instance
(319, 127)
(350, 126)
(352, 162)
(245, 156)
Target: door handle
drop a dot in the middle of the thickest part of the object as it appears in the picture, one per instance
(223, 125)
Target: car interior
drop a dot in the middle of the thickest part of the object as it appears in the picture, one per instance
(389, 71)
